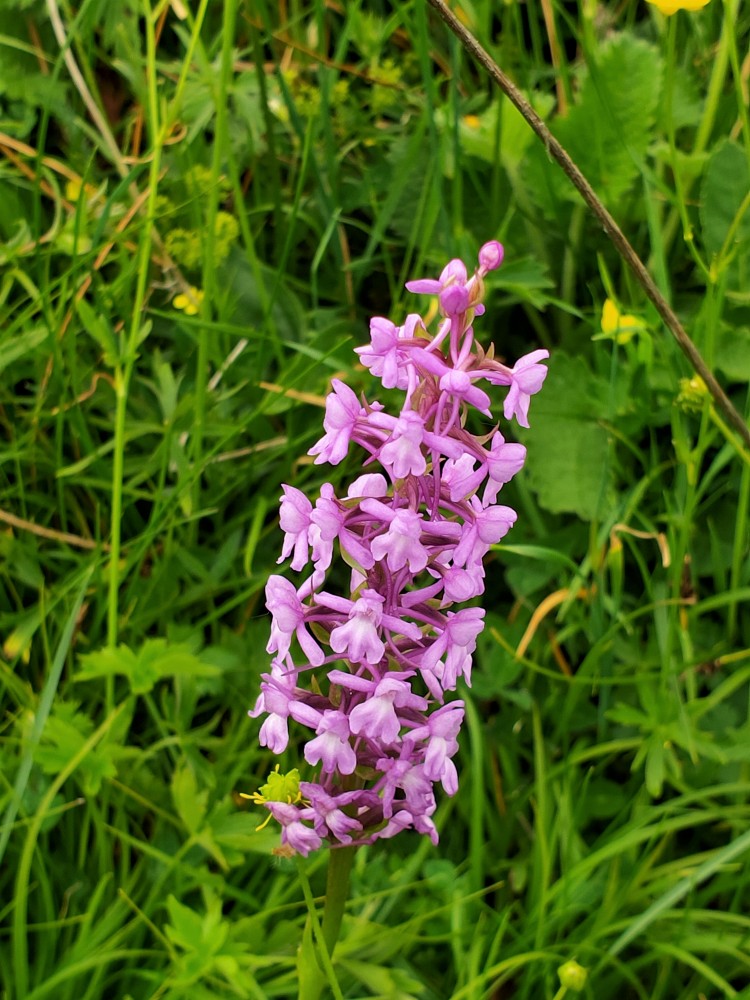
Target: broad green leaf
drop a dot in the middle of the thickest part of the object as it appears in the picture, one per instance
(732, 353)
(655, 765)
(385, 982)
(567, 446)
(687, 99)
(527, 278)
(189, 802)
(236, 833)
(66, 731)
(726, 183)
(476, 136)
(100, 330)
(186, 928)
(107, 662)
(173, 660)
(204, 940)
(155, 660)
(626, 715)
(609, 130)
(516, 135)
(250, 304)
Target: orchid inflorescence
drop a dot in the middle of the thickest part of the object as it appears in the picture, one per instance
(380, 661)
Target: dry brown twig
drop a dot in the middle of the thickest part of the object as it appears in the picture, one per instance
(610, 227)
(57, 536)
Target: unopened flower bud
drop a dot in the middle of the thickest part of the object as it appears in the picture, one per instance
(573, 976)
(693, 393)
(491, 256)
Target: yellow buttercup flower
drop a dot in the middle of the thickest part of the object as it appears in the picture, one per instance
(619, 326)
(75, 188)
(669, 7)
(189, 302)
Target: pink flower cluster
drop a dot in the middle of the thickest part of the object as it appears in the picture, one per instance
(367, 674)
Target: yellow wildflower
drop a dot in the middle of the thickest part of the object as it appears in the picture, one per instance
(17, 643)
(617, 325)
(669, 7)
(188, 302)
(75, 188)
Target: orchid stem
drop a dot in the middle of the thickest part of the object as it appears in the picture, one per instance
(337, 891)
(327, 934)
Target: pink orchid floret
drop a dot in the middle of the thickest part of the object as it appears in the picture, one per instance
(367, 673)
(294, 519)
(294, 832)
(284, 602)
(331, 747)
(527, 379)
(275, 700)
(342, 411)
(358, 638)
(388, 348)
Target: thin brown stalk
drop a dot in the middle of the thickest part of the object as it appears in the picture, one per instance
(556, 53)
(610, 227)
(56, 536)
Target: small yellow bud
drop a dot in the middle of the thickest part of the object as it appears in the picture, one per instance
(573, 976)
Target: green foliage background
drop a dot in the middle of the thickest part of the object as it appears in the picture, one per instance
(285, 168)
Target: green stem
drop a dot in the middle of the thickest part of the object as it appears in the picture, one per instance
(730, 437)
(126, 362)
(221, 142)
(313, 982)
(572, 251)
(713, 97)
(337, 891)
(680, 192)
(739, 547)
(730, 22)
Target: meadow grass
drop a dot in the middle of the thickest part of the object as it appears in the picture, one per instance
(202, 205)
